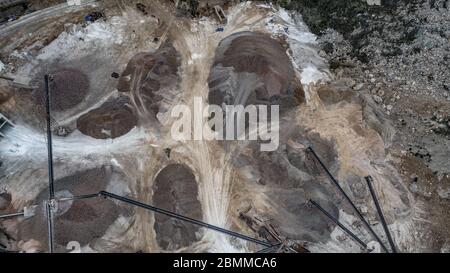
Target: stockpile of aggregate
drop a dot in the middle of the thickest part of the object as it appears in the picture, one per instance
(176, 190)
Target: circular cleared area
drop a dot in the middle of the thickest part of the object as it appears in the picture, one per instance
(68, 87)
(113, 119)
(176, 190)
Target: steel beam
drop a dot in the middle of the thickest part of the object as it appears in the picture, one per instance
(49, 205)
(184, 218)
(336, 221)
(336, 183)
(12, 215)
(380, 214)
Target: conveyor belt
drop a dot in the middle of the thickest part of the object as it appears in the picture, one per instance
(336, 183)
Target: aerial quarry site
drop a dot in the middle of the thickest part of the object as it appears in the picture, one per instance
(220, 126)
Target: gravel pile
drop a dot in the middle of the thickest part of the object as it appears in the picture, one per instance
(176, 190)
(68, 87)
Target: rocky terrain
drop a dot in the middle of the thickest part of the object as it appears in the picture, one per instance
(397, 55)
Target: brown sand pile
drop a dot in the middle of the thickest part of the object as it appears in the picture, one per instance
(5, 94)
(68, 87)
(176, 190)
(113, 119)
(242, 55)
(147, 76)
(83, 221)
(141, 61)
(5, 201)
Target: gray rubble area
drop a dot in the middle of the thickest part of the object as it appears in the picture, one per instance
(397, 54)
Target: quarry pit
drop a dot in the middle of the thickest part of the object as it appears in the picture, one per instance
(114, 83)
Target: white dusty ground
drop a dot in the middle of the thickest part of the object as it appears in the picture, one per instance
(139, 154)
